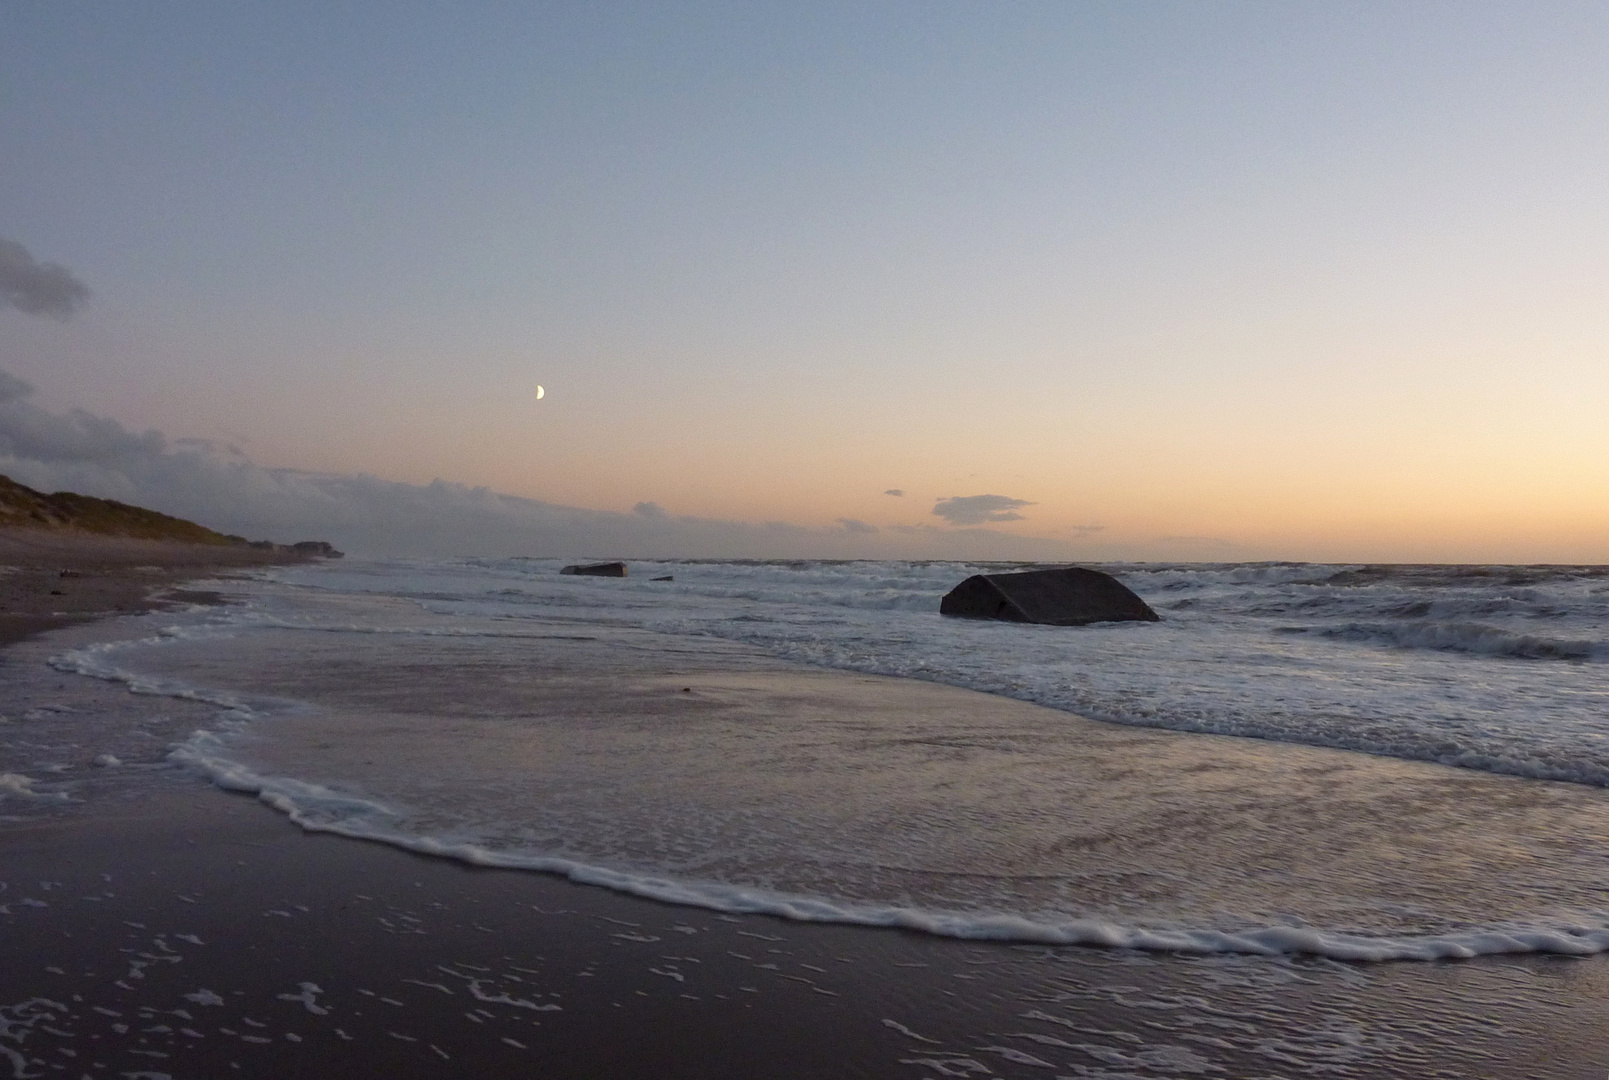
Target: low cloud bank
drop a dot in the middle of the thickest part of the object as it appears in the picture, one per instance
(35, 287)
(221, 488)
(978, 509)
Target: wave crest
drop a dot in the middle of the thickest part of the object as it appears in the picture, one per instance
(1467, 637)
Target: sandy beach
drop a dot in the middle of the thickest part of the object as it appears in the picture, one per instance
(55, 578)
(179, 930)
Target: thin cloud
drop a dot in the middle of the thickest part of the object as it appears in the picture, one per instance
(985, 544)
(13, 388)
(37, 288)
(650, 510)
(31, 433)
(979, 509)
(896, 492)
(855, 526)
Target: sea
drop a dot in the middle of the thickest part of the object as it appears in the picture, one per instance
(728, 734)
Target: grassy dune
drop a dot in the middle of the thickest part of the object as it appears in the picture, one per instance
(23, 507)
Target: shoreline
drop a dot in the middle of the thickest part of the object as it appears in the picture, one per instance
(54, 578)
(200, 936)
(353, 954)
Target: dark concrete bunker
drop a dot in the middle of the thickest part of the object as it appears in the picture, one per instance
(601, 569)
(1069, 596)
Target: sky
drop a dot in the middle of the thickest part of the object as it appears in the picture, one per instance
(1071, 280)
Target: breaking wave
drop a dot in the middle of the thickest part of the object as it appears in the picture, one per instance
(1465, 637)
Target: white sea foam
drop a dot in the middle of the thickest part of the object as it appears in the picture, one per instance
(1457, 665)
(16, 785)
(319, 809)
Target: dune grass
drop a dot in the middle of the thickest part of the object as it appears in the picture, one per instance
(23, 507)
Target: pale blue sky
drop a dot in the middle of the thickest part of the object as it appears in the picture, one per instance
(1280, 275)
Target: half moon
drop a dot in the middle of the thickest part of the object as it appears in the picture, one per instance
(539, 393)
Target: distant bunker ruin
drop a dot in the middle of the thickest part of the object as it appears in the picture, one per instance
(597, 569)
(1072, 596)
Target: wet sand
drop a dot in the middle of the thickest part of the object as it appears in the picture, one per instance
(187, 932)
(203, 936)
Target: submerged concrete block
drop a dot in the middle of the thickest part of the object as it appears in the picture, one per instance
(1071, 596)
(597, 569)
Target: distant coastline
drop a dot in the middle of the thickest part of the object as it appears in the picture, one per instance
(22, 507)
(67, 558)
